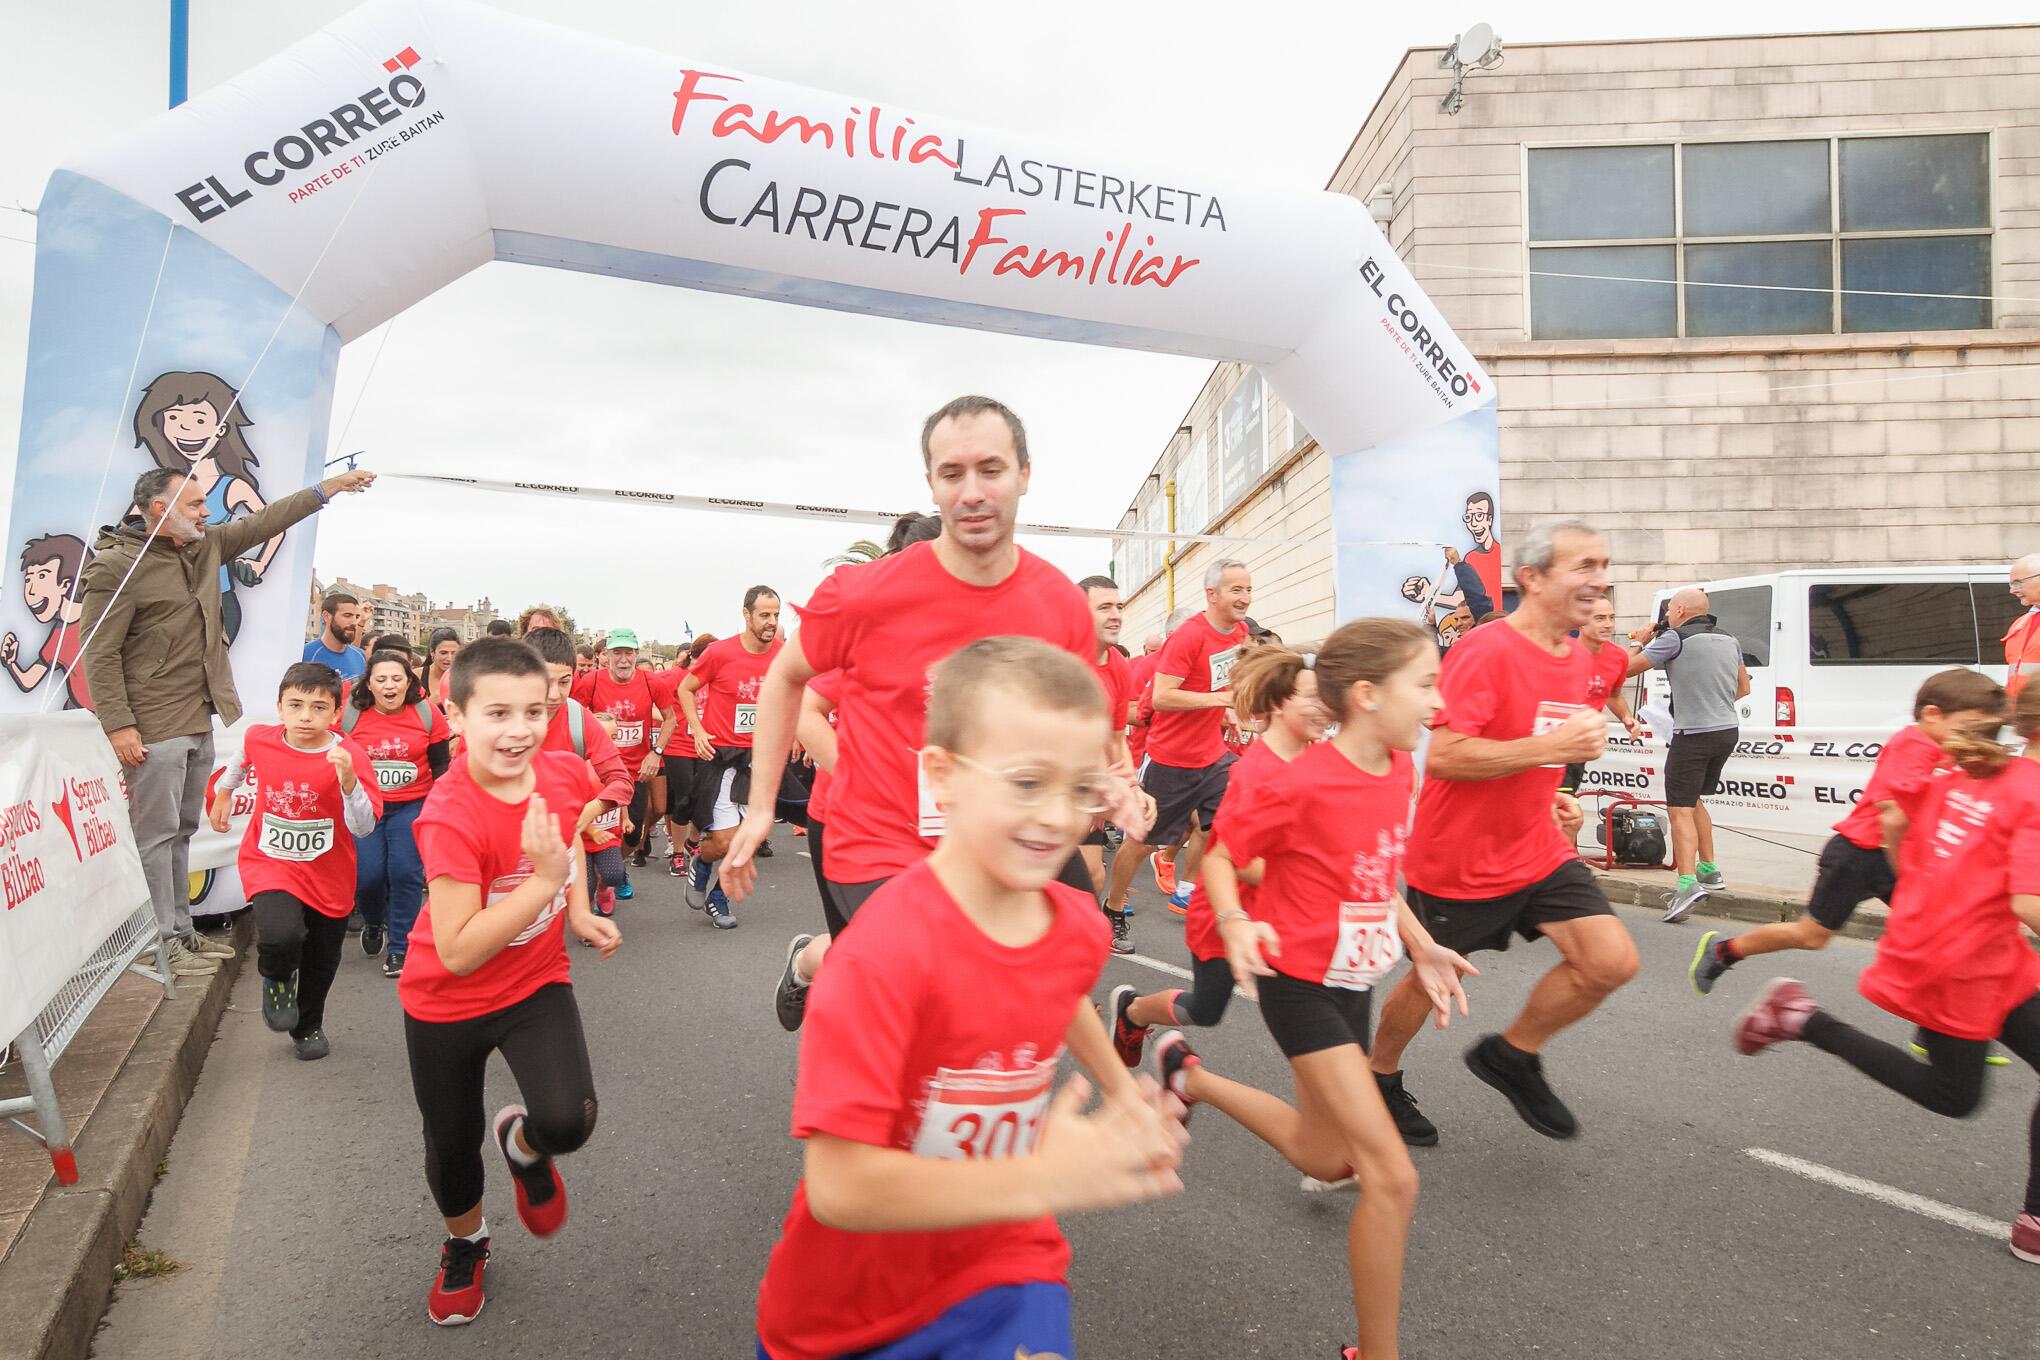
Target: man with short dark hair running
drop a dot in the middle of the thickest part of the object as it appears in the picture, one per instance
(720, 700)
(1108, 612)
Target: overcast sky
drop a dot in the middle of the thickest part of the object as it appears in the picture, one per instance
(533, 373)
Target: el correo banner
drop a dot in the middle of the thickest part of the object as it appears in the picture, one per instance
(68, 864)
(1799, 780)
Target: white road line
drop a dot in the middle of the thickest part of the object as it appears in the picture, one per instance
(1993, 1228)
(1171, 969)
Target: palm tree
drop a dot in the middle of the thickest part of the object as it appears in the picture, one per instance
(863, 550)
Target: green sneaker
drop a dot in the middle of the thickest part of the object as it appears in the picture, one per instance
(279, 1003)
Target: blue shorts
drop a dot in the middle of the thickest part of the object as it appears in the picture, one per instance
(1011, 1320)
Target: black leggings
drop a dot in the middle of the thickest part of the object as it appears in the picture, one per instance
(291, 937)
(1211, 990)
(540, 1037)
(1950, 1081)
(830, 916)
(640, 804)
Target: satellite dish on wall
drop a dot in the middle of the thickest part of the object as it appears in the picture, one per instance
(1475, 49)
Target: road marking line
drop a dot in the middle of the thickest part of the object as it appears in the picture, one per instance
(1171, 969)
(1885, 1194)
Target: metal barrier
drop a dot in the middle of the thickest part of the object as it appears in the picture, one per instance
(42, 1043)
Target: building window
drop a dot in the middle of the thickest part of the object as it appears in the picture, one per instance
(1193, 487)
(1760, 238)
(1242, 440)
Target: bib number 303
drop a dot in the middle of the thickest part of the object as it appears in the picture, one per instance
(1369, 945)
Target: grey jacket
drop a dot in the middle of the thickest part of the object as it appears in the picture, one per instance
(156, 658)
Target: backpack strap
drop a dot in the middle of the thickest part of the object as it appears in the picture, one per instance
(350, 715)
(424, 711)
(577, 727)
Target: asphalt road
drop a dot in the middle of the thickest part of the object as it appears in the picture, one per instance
(295, 1202)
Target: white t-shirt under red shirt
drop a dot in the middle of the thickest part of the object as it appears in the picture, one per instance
(924, 1034)
(469, 836)
(1487, 838)
(1202, 658)
(298, 842)
(631, 704)
(731, 675)
(1953, 956)
(886, 625)
(1331, 838)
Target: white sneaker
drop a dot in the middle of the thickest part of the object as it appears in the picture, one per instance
(185, 963)
(208, 947)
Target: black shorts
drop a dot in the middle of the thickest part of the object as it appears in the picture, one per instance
(679, 772)
(1096, 837)
(840, 901)
(707, 786)
(1693, 766)
(1849, 876)
(1567, 893)
(1183, 795)
(640, 804)
(1309, 1017)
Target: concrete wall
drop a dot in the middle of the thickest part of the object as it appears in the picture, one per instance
(1718, 457)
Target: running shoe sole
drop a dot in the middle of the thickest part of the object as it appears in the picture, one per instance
(1477, 1063)
(455, 1319)
(1682, 904)
(1700, 957)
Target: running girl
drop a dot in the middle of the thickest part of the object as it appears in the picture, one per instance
(297, 870)
(504, 882)
(441, 647)
(936, 1151)
(1275, 693)
(1329, 828)
(406, 740)
(1954, 958)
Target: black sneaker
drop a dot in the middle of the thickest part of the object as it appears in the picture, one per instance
(279, 1003)
(765, 850)
(355, 923)
(311, 1045)
(373, 938)
(677, 866)
(1122, 933)
(1520, 1077)
(637, 857)
(789, 998)
(1708, 963)
(1172, 1055)
(393, 966)
(1416, 1130)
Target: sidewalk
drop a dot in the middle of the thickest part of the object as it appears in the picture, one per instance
(121, 1086)
(1770, 875)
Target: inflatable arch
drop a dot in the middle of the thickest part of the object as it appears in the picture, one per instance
(196, 279)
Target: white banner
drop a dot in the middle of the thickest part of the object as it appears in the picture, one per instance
(68, 863)
(1793, 779)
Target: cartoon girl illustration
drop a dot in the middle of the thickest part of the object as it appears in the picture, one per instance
(50, 568)
(194, 422)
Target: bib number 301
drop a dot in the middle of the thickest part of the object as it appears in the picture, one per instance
(984, 1115)
(1369, 945)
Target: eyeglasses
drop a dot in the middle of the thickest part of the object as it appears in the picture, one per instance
(2018, 581)
(1029, 786)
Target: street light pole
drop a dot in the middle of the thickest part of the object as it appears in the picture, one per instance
(180, 50)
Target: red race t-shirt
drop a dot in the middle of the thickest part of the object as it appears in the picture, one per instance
(1953, 957)
(1902, 771)
(1141, 675)
(298, 842)
(925, 1035)
(666, 694)
(396, 744)
(731, 675)
(1611, 668)
(468, 836)
(1200, 926)
(1487, 838)
(619, 782)
(825, 685)
(631, 704)
(1331, 836)
(886, 625)
(1116, 679)
(1202, 658)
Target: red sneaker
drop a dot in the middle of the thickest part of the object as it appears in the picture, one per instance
(1129, 1041)
(2026, 1238)
(1777, 1016)
(456, 1298)
(1174, 1056)
(541, 1194)
(1165, 874)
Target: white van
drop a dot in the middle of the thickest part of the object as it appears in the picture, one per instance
(1847, 647)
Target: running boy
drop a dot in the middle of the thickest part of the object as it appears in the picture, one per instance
(1853, 865)
(488, 966)
(297, 859)
(1329, 828)
(1954, 958)
(936, 1152)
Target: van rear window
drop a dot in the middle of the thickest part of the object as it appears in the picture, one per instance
(1915, 623)
(1746, 612)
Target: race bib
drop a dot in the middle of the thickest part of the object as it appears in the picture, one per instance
(608, 821)
(930, 821)
(394, 774)
(980, 1115)
(1221, 668)
(510, 882)
(1551, 715)
(1369, 945)
(629, 735)
(747, 719)
(298, 842)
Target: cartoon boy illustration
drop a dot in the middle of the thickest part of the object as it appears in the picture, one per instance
(1453, 602)
(50, 568)
(1486, 557)
(194, 422)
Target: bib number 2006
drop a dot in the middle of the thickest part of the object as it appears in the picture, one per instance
(298, 842)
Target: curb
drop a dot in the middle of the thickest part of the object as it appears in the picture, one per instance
(55, 1283)
(1731, 906)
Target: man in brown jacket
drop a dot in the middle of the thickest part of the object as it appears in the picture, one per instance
(156, 665)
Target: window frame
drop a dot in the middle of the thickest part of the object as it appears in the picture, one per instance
(1834, 236)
